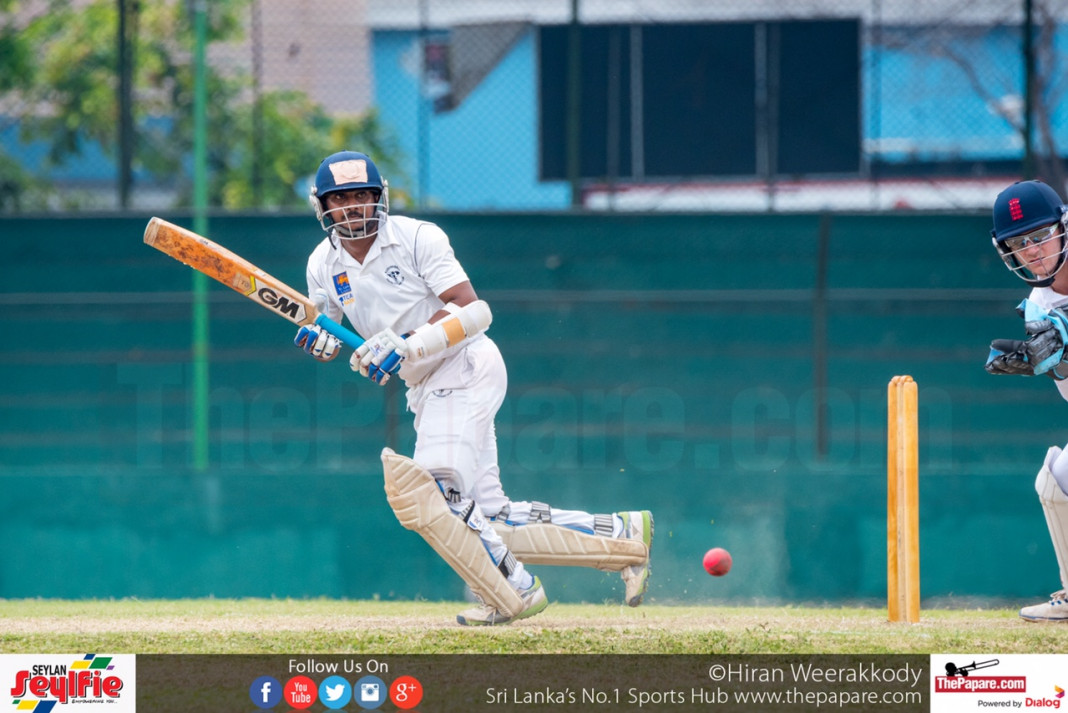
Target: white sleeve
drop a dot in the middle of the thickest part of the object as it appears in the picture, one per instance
(316, 281)
(435, 260)
(1046, 298)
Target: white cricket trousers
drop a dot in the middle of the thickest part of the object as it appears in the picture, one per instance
(455, 439)
(454, 410)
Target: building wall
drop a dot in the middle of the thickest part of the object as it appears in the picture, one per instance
(311, 47)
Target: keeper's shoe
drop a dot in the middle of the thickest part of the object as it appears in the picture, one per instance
(1053, 611)
(637, 525)
(534, 601)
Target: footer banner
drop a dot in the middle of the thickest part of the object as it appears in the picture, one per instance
(157, 683)
(442, 683)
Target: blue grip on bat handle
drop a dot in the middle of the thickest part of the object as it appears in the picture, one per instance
(347, 336)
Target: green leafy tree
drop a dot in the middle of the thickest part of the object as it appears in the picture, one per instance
(296, 136)
(17, 74)
(258, 150)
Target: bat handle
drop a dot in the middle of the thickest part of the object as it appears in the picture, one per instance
(347, 336)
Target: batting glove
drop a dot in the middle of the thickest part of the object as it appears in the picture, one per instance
(380, 356)
(318, 342)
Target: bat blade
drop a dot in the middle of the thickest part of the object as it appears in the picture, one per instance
(242, 276)
(230, 269)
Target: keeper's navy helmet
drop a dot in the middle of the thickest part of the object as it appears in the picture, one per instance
(1027, 215)
(349, 171)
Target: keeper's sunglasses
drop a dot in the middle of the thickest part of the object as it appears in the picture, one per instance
(1035, 237)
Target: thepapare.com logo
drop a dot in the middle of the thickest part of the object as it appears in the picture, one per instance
(41, 683)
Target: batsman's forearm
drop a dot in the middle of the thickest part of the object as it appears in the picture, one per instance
(464, 323)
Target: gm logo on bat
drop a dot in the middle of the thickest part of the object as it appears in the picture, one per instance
(268, 297)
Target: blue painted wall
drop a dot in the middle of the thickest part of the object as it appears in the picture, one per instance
(482, 154)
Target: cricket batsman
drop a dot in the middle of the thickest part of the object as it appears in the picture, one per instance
(398, 283)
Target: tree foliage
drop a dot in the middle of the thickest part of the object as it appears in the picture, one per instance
(259, 147)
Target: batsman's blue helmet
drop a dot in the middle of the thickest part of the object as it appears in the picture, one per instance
(1028, 213)
(347, 171)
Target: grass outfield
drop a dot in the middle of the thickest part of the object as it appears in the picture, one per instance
(208, 626)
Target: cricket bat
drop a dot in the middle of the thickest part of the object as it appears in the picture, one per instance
(240, 275)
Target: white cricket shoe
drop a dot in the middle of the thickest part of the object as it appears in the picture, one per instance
(534, 600)
(1056, 610)
(637, 525)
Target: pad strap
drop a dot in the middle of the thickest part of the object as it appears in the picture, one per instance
(604, 525)
(540, 512)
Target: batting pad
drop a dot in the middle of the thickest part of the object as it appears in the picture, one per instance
(1055, 506)
(419, 505)
(545, 543)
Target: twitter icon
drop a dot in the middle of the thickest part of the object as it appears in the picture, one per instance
(335, 692)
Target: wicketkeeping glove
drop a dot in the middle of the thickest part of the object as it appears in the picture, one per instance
(1042, 352)
(1007, 356)
(1047, 332)
(318, 342)
(380, 356)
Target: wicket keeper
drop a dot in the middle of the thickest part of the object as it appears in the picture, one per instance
(1029, 235)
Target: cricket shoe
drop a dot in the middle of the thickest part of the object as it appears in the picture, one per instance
(534, 602)
(637, 525)
(1056, 610)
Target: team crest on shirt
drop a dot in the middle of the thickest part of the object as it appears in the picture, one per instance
(343, 287)
(394, 275)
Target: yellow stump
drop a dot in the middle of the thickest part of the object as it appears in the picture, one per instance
(902, 502)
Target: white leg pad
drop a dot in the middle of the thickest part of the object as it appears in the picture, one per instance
(419, 506)
(1055, 506)
(545, 543)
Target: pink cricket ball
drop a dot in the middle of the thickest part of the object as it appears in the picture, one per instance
(717, 561)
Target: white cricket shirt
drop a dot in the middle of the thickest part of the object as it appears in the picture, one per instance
(409, 264)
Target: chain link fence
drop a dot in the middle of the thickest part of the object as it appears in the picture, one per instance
(533, 105)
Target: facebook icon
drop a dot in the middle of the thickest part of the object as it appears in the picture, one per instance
(265, 692)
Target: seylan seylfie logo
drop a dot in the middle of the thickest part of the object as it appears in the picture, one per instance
(49, 681)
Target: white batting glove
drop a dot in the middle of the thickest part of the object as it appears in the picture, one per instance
(318, 342)
(380, 356)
